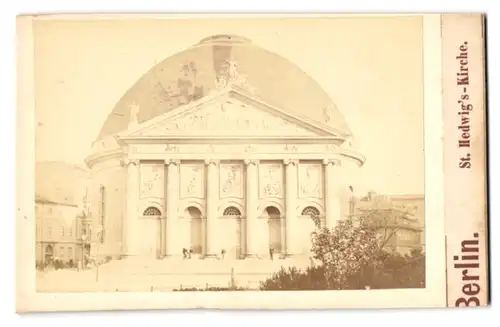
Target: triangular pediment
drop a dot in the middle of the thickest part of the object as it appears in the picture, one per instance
(227, 115)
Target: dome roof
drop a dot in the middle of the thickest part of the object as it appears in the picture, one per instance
(193, 73)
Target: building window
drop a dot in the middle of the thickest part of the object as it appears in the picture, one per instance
(49, 231)
(70, 232)
(152, 211)
(62, 231)
(70, 252)
(232, 211)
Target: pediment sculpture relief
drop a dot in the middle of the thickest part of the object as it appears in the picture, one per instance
(229, 116)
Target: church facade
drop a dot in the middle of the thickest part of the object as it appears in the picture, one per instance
(213, 157)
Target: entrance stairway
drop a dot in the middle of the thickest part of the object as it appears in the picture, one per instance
(168, 274)
(152, 275)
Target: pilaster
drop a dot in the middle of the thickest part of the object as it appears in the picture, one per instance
(332, 200)
(291, 221)
(131, 216)
(212, 198)
(172, 245)
(252, 224)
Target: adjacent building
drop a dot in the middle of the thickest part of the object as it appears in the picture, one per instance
(57, 230)
(59, 212)
(400, 219)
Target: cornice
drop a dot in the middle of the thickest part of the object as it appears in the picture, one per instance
(251, 99)
(228, 139)
(357, 157)
(95, 158)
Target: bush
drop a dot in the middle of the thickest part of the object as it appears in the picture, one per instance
(396, 271)
(293, 279)
(389, 271)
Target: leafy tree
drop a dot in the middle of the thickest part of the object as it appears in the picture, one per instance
(354, 255)
(343, 250)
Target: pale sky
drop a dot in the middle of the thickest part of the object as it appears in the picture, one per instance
(371, 68)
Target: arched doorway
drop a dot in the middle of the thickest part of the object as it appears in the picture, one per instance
(234, 239)
(155, 213)
(275, 228)
(196, 235)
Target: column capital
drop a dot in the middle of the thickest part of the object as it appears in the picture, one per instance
(209, 162)
(174, 162)
(334, 162)
(287, 162)
(251, 162)
(126, 161)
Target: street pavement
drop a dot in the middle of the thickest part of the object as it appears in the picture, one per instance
(150, 275)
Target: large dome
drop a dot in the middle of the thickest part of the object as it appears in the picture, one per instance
(193, 73)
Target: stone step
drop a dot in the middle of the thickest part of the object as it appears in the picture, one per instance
(197, 267)
(110, 281)
(147, 275)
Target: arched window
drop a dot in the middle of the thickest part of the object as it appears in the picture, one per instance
(310, 211)
(232, 211)
(152, 211)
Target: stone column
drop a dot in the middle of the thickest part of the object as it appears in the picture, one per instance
(131, 214)
(173, 247)
(212, 196)
(291, 222)
(252, 214)
(332, 200)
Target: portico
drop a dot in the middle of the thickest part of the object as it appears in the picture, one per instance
(243, 194)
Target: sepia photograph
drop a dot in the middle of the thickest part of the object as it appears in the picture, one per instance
(225, 164)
